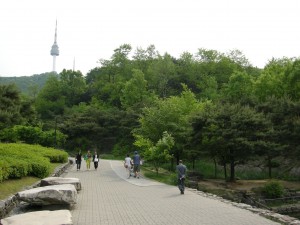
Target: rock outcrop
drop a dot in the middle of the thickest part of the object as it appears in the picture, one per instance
(58, 217)
(49, 195)
(60, 180)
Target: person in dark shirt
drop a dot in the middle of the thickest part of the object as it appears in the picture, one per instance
(78, 160)
(136, 164)
(181, 171)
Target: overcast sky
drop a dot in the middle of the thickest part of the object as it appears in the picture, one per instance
(90, 30)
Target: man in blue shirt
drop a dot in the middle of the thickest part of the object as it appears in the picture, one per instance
(136, 164)
(181, 171)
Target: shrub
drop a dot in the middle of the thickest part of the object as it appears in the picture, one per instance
(4, 170)
(273, 189)
(54, 155)
(18, 168)
(20, 160)
(40, 169)
(32, 135)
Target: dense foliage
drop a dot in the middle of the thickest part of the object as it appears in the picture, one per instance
(20, 160)
(273, 189)
(29, 85)
(212, 104)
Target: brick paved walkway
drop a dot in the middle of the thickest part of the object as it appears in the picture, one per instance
(108, 197)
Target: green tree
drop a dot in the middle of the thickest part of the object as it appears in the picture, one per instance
(284, 114)
(209, 88)
(188, 72)
(239, 88)
(51, 100)
(33, 135)
(143, 58)
(172, 115)
(272, 81)
(97, 126)
(204, 139)
(239, 58)
(120, 63)
(231, 133)
(292, 78)
(160, 72)
(73, 86)
(159, 153)
(10, 106)
(215, 64)
(135, 94)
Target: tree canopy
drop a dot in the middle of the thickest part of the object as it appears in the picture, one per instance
(208, 103)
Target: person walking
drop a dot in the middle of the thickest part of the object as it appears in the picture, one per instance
(78, 160)
(88, 158)
(136, 164)
(181, 173)
(95, 160)
(127, 165)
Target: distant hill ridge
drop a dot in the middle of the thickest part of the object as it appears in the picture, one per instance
(26, 83)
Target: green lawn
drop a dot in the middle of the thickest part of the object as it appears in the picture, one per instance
(12, 186)
(163, 176)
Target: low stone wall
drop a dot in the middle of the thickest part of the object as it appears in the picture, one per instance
(284, 219)
(288, 209)
(7, 205)
(61, 169)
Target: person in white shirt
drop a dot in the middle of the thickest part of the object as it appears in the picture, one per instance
(127, 164)
(96, 160)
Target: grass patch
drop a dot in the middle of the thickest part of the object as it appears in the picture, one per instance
(163, 176)
(10, 187)
(53, 166)
(111, 157)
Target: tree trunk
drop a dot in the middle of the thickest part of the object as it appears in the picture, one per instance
(172, 163)
(232, 170)
(225, 171)
(215, 162)
(270, 167)
(177, 159)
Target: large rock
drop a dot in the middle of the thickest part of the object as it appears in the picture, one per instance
(49, 195)
(60, 180)
(58, 217)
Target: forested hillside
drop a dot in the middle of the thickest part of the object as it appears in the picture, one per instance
(28, 85)
(209, 105)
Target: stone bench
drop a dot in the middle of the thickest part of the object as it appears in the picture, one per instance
(58, 217)
(49, 195)
(60, 180)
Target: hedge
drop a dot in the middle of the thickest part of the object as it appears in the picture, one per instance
(20, 160)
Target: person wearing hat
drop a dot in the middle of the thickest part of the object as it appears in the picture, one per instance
(136, 164)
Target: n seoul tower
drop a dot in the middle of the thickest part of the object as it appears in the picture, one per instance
(54, 50)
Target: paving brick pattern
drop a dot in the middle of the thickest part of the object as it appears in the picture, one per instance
(109, 198)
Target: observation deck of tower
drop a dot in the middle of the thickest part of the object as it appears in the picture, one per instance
(54, 50)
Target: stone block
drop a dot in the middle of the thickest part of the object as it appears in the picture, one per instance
(49, 195)
(58, 217)
(60, 180)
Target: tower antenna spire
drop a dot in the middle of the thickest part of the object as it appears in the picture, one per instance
(54, 50)
(55, 36)
(74, 64)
